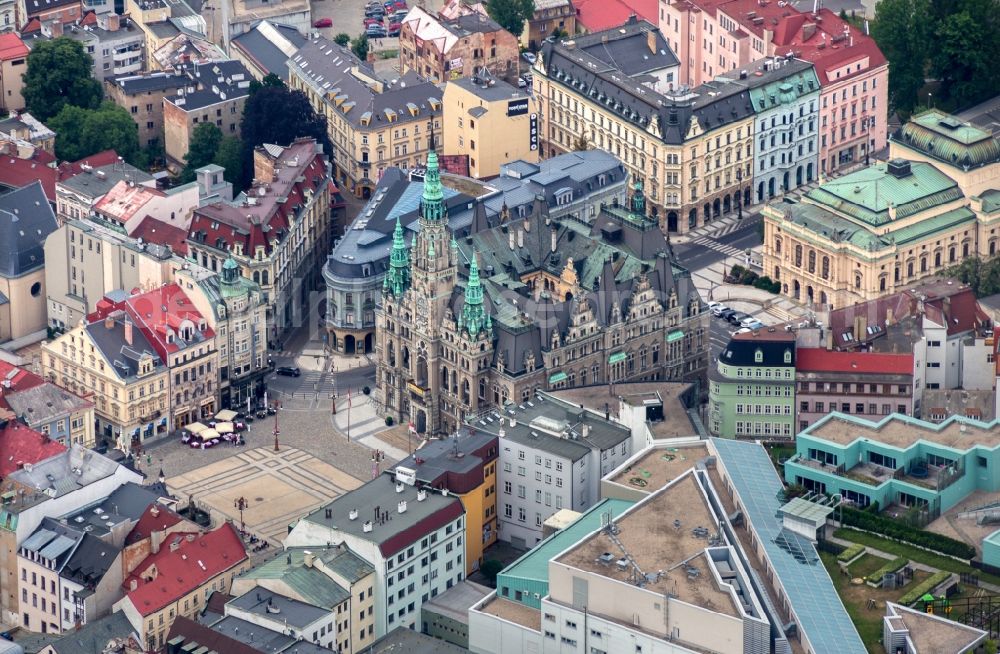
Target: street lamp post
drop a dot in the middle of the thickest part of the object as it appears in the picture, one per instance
(241, 504)
(277, 409)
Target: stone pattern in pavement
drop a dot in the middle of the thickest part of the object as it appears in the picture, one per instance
(279, 487)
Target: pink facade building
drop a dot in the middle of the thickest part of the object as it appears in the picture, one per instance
(713, 37)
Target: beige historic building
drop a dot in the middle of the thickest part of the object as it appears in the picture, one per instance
(114, 361)
(443, 50)
(278, 234)
(182, 339)
(693, 149)
(234, 307)
(867, 234)
(492, 124)
(373, 124)
(530, 304)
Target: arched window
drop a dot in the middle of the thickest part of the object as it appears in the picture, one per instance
(923, 264)
(812, 261)
(798, 256)
(937, 259)
(826, 268)
(777, 245)
(857, 281)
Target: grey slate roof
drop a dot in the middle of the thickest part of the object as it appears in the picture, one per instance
(100, 180)
(499, 90)
(517, 187)
(381, 493)
(44, 403)
(122, 357)
(66, 472)
(406, 640)
(26, 219)
(437, 456)
(54, 541)
(634, 99)
(261, 601)
(627, 49)
(90, 561)
(235, 83)
(260, 638)
(94, 636)
(537, 419)
(126, 503)
(133, 84)
(327, 67)
(264, 52)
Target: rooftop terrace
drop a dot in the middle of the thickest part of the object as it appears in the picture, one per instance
(514, 612)
(659, 466)
(672, 542)
(903, 431)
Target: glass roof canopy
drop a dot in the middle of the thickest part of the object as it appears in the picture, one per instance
(820, 614)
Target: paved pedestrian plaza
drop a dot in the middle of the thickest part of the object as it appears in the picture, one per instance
(278, 488)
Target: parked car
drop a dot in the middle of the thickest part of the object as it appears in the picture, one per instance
(742, 330)
(288, 371)
(711, 305)
(726, 313)
(718, 309)
(375, 12)
(394, 29)
(521, 83)
(737, 317)
(528, 56)
(754, 325)
(372, 21)
(323, 22)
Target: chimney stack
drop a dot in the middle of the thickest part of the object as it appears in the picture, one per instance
(651, 41)
(109, 322)
(128, 331)
(520, 238)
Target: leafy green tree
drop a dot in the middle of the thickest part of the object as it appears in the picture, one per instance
(204, 144)
(982, 276)
(230, 156)
(360, 47)
(270, 80)
(511, 14)
(490, 569)
(59, 74)
(279, 116)
(342, 39)
(967, 52)
(902, 32)
(82, 132)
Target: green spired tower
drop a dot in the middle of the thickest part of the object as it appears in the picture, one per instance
(432, 207)
(397, 279)
(474, 317)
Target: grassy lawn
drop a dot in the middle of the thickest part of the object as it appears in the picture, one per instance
(914, 553)
(867, 621)
(866, 565)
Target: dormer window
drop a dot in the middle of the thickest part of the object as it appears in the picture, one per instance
(788, 356)
(758, 356)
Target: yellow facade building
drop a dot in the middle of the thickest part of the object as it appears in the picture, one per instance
(935, 203)
(465, 465)
(127, 380)
(491, 123)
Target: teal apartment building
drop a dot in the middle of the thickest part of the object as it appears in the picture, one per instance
(900, 462)
(752, 387)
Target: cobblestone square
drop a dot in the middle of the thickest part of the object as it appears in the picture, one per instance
(278, 487)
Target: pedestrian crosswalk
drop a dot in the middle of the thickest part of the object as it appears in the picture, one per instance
(711, 243)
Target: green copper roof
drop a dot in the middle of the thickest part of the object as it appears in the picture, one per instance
(784, 91)
(313, 585)
(432, 205)
(397, 280)
(474, 317)
(950, 140)
(991, 200)
(929, 226)
(867, 193)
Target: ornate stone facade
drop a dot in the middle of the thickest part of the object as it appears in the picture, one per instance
(471, 321)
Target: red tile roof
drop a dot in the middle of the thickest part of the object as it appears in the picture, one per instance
(20, 444)
(12, 47)
(817, 359)
(412, 534)
(16, 172)
(156, 517)
(153, 230)
(20, 379)
(222, 225)
(158, 313)
(184, 563)
(597, 15)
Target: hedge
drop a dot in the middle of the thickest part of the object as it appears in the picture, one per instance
(850, 553)
(907, 534)
(924, 587)
(891, 566)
